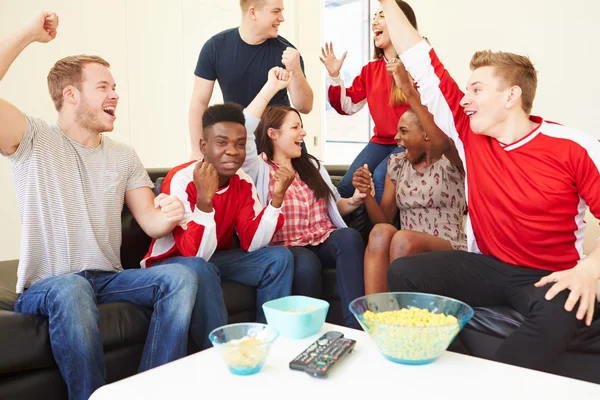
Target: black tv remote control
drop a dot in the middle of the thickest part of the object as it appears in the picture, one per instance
(318, 359)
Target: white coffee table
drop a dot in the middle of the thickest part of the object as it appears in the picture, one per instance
(363, 374)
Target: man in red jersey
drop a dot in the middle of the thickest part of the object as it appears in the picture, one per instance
(526, 200)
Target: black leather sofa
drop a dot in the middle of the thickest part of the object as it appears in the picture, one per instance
(28, 370)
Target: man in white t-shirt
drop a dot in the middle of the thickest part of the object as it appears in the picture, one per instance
(71, 183)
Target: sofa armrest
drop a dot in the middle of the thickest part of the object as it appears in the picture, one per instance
(8, 282)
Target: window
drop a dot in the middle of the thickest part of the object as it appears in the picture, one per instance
(347, 24)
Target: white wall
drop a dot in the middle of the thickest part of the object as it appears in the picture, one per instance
(153, 47)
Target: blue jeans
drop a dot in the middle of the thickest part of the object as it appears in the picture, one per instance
(70, 303)
(344, 249)
(270, 269)
(209, 308)
(376, 157)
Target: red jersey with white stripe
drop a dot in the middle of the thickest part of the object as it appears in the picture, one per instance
(235, 207)
(372, 86)
(526, 199)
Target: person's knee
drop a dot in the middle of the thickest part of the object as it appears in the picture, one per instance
(403, 275)
(282, 260)
(381, 236)
(404, 243)
(553, 311)
(203, 269)
(180, 277)
(71, 289)
(347, 238)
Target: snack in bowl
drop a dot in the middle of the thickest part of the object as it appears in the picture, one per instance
(411, 328)
(244, 347)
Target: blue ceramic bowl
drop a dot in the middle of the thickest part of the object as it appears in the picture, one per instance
(244, 347)
(411, 344)
(296, 317)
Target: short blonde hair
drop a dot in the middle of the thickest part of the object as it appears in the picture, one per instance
(513, 69)
(245, 4)
(69, 71)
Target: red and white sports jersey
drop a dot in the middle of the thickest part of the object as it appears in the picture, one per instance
(372, 86)
(235, 206)
(526, 199)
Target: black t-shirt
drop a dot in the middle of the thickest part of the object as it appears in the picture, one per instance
(240, 68)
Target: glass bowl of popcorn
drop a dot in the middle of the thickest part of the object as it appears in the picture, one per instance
(411, 328)
(244, 347)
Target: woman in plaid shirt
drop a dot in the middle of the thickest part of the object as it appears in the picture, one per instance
(314, 229)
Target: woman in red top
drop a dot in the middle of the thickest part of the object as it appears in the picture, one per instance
(386, 101)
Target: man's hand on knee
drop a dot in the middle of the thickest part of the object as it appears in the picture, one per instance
(581, 280)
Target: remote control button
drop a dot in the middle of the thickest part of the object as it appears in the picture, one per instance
(324, 369)
(321, 363)
(335, 357)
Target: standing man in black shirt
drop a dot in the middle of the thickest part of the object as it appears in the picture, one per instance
(240, 59)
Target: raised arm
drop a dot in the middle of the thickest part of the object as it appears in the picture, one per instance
(440, 143)
(346, 101)
(439, 92)
(402, 33)
(278, 79)
(300, 90)
(203, 89)
(41, 29)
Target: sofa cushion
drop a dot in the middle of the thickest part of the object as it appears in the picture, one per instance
(25, 343)
(8, 283)
(501, 321)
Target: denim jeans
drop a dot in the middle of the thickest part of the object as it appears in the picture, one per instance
(209, 308)
(70, 303)
(376, 157)
(270, 269)
(345, 249)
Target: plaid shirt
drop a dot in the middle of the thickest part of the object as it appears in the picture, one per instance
(307, 220)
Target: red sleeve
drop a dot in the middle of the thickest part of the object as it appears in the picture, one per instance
(347, 101)
(439, 92)
(196, 235)
(254, 224)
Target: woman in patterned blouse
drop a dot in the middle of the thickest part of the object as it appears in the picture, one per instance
(424, 185)
(314, 229)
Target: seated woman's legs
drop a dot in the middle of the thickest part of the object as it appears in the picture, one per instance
(345, 249)
(307, 272)
(377, 258)
(380, 171)
(387, 244)
(372, 155)
(408, 243)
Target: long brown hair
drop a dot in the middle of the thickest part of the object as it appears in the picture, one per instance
(273, 117)
(396, 95)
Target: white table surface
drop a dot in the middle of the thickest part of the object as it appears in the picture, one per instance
(363, 374)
